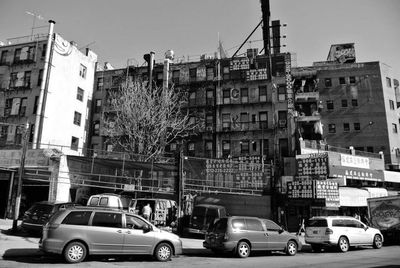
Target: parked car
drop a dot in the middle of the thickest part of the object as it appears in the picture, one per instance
(110, 200)
(203, 216)
(341, 232)
(164, 211)
(81, 231)
(39, 213)
(242, 235)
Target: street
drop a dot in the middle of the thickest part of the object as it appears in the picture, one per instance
(22, 251)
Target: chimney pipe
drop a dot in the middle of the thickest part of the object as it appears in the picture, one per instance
(266, 14)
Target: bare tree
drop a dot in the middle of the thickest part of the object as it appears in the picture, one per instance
(144, 121)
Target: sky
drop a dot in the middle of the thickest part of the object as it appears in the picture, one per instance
(122, 30)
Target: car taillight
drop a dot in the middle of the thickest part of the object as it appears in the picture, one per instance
(328, 231)
(51, 226)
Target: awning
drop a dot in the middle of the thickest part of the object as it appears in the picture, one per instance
(391, 176)
(376, 192)
(353, 197)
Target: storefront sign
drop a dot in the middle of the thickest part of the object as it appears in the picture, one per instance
(312, 164)
(257, 74)
(300, 189)
(33, 158)
(288, 78)
(354, 161)
(239, 64)
(355, 173)
(328, 190)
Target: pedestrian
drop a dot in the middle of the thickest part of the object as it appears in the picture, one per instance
(302, 227)
(146, 211)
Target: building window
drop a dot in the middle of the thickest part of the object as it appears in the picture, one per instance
(17, 54)
(370, 149)
(22, 108)
(265, 147)
(244, 121)
(97, 108)
(354, 102)
(225, 72)
(281, 93)
(388, 82)
(263, 93)
(13, 79)
(40, 78)
(357, 126)
(346, 127)
(77, 118)
(35, 105)
(192, 74)
(332, 128)
(175, 76)
(209, 148)
(344, 103)
(79, 94)
(253, 118)
(43, 50)
(172, 146)
(82, 71)
(244, 95)
(342, 80)
(282, 116)
(209, 122)
(391, 104)
(226, 122)
(394, 128)
(115, 81)
(329, 104)
(96, 128)
(226, 148)
(210, 96)
(192, 98)
(74, 143)
(254, 145)
(100, 83)
(263, 119)
(27, 79)
(191, 149)
(244, 147)
(328, 82)
(352, 79)
(4, 55)
(226, 95)
(210, 74)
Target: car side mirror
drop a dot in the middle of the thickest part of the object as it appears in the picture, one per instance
(146, 228)
(366, 227)
(281, 230)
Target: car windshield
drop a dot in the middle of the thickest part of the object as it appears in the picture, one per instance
(316, 223)
(41, 209)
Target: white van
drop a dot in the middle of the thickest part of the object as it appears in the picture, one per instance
(110, 200)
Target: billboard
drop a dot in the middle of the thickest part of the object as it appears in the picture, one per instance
(342, 53)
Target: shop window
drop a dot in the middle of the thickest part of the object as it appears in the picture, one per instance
(328, 82)
(329, 104)
(344, 103)
(332, 128)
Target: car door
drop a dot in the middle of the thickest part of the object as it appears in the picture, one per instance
(136, 239)
(354, 231)
(105, 234)
(255, 232)
(276, 237)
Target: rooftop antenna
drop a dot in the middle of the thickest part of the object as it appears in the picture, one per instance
(35, 16)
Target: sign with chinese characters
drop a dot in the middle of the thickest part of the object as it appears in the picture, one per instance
(12, 158)
(355, 173)
(300, 189)
(257, 74)
(328, 190)
(312, 164)
(239, 64)
(348, 160)
(288, 78)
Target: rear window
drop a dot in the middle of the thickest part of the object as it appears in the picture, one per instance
(220, 226)
(197, 211)
(41, 209)
(77, 218)
(238, 224)
(317, 223)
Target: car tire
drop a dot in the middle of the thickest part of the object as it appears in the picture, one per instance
(243, 249)
(343, 244)
(291, 248)
(377, 241)
(316, 248)
(75, 252)
(163, 252)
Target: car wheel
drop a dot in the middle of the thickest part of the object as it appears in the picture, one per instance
(377, 241)
(291, 248)
(343, 244)
(163, 252)
(75, 252)
(243, 250)
(316, 248)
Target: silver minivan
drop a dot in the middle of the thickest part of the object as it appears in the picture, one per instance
(81, 231)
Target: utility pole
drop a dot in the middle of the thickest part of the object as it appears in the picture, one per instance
(20, 177)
